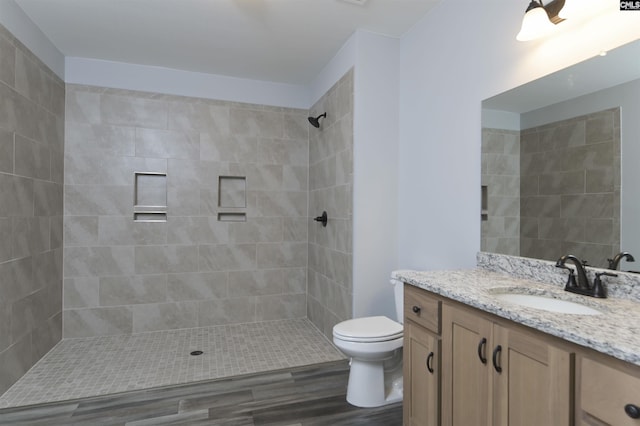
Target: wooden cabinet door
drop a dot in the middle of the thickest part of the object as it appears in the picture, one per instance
(606, 393)
(466, 388)
(421, 376)
(534, 385)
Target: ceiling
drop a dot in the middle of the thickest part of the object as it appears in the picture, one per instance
(286, 41)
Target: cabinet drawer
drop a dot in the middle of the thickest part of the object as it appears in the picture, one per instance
(606, 391)
(421, 308)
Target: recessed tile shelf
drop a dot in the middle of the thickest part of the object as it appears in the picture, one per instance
(150, 197)
(232, 217)
(232, 198)
(232, 191)
(150, 216)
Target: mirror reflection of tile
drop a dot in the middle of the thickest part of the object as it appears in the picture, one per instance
(554, 188)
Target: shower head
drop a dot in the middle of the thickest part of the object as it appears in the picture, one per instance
(315, 121)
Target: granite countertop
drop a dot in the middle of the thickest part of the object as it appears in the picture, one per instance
(615, 332)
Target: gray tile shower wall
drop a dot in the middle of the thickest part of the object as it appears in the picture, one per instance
(554, 189)
(194, 270)
(330, 289)
(500, 229)
(32, 102)
(570, 188)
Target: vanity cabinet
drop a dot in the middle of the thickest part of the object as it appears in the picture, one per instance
(466, 386)
(495, 373)
(421, 359)
(422, 380)
(491, 371)
(534, 386)
(607, 394)
(465, 367)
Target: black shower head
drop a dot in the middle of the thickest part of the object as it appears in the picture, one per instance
(315, 121)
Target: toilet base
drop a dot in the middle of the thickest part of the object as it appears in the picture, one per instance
(373, 385)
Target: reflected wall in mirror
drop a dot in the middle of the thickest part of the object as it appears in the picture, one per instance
(559, 159)
(554, 188)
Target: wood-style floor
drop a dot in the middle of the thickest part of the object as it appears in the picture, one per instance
(313, 395)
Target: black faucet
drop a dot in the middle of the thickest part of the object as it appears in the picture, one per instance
(583, 281)
(582, 286)
(613, 263)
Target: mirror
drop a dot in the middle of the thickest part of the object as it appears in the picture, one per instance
(559, 163)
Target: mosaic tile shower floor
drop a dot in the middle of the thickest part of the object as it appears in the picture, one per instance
(77, 368)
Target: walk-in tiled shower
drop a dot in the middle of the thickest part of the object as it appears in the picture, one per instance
(144, 222)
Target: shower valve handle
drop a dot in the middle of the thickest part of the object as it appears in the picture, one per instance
(322, 219)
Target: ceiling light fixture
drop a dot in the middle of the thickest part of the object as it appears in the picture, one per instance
(539, 20)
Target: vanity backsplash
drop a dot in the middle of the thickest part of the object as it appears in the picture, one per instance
(625, 286)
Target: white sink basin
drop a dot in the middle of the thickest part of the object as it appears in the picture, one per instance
(547, 304)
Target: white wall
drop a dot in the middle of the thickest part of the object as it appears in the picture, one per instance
(623, 95)
(375, 176)
(184, 83)
(23, 28)
(456, 56)
(342, 61)
(494, 119)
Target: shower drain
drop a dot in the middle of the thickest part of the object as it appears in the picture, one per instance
(195, 353)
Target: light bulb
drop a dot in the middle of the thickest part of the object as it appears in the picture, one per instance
(569, 10)
(535, 23)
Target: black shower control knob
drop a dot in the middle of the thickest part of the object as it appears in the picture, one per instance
(632, 411)
(322, 218)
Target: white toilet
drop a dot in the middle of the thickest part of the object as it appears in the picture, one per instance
(375, 347)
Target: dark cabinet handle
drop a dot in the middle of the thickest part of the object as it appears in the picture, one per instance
(632, 411)
(416, 309)
(496, 352)
(430, 362)
(481, 349)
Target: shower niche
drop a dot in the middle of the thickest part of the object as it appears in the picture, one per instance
(232, 198)
(150, 197)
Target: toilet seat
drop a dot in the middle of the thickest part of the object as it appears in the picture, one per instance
(374, 346)
(368, 330)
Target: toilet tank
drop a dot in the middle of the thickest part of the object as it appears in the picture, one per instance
(398, 293)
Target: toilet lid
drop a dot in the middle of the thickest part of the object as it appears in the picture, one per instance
(368, 329)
